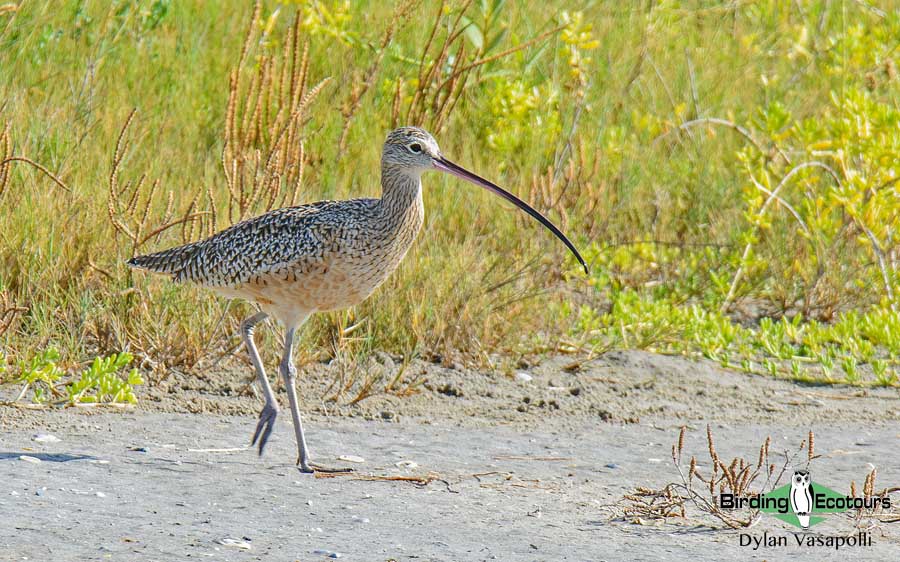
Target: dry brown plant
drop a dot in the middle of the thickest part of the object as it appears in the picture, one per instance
(9, 311)
(7, 159)
(5, 154)
(873, 517)
(129, 204)
(577, 183)
(263, 156)
(702, 487)
(362, 82)
(654, 504)
(446, 67)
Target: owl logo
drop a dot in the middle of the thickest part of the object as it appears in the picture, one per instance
(801, 497)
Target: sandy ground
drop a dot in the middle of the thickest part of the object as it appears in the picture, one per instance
(526, 467)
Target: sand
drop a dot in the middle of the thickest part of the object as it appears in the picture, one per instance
(530, 466)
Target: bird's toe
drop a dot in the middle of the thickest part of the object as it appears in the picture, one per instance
(314, 467)
(264, 427)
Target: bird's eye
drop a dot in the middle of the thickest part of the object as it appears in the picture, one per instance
(415, 148)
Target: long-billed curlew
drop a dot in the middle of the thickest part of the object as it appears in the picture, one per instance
(323, 256)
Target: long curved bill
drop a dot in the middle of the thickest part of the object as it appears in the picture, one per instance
(445, 165)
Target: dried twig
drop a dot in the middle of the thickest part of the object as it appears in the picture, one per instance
(8, 312)
(129, 205)
(440, 82)
(5, 163)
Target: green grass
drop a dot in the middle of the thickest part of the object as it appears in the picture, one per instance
(728, 167)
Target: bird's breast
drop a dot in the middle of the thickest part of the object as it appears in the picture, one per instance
(385, 247)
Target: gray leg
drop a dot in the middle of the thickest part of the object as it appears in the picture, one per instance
(289, 372)
(270, 410)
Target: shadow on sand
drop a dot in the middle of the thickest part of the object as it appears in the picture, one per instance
(48, 457)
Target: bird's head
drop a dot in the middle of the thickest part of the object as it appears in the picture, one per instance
(412, 151)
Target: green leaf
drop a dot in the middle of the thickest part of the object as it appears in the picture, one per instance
(496, 40)
(472, 33)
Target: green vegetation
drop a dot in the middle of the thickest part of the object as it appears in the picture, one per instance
(98, 384)
(729, 168)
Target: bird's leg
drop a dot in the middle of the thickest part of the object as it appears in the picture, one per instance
(270, 410)
(289, 372)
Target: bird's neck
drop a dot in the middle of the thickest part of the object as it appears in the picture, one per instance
(401, 191)
(402, 211)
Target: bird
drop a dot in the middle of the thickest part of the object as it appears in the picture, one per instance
(296, 261)
(801, 497)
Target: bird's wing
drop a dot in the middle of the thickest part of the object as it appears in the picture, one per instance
(259, 246)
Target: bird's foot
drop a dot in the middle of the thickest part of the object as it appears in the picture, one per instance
(312, 468)
(264, 426)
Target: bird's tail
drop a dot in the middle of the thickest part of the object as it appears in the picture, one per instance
(171, 261)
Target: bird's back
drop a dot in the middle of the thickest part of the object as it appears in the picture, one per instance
(263, 244)
(321, 256)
